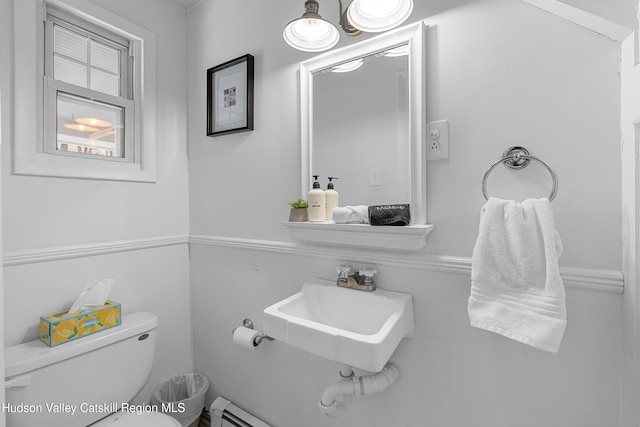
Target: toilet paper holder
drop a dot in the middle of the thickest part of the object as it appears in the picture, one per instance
(248, 323)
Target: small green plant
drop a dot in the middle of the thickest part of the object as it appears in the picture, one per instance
(299, 204)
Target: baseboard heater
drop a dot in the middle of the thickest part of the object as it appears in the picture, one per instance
(225, 414)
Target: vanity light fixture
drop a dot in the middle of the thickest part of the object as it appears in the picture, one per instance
(402, 50)
(103, 133)
(80, 128)
(90, 121)
(348, 66)
(312, 33)
(375, 16)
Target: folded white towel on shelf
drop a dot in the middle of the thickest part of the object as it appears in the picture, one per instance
(516, 288)
(351, 215)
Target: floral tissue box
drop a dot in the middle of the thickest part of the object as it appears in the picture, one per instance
(59, 328)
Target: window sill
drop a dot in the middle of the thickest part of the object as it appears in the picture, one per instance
(407, 238)
(42, 164)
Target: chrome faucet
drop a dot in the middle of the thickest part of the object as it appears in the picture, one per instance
(361, 280)
(345, 278)
(366, 282)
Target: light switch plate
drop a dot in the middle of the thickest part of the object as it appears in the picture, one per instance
(375, 177)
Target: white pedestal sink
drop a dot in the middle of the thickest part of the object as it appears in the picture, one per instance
(361, 329)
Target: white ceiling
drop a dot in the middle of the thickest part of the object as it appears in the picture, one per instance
(186, 3)
(621, 12)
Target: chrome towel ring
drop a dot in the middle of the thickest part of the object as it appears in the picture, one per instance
(518, 158)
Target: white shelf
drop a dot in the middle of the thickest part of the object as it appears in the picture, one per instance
(408, 238)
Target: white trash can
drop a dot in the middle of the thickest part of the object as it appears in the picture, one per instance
(182, 397)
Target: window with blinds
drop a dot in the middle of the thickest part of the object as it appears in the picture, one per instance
(84, 62)
(89, 105)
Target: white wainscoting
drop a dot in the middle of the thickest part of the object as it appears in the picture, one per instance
(580, 278)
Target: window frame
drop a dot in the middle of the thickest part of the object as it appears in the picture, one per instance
(31, 155)
(53, 86)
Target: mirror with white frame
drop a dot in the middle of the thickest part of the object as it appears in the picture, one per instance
(366, 126)
(367, 133)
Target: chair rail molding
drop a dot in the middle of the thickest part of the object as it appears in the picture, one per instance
(609, 281)
(15, 258)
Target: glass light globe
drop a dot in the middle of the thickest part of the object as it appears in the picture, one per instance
(311, 33)
(378, 15)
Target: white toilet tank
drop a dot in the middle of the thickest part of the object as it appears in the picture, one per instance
(80, 382)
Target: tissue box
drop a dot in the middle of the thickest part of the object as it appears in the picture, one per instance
(59, 328)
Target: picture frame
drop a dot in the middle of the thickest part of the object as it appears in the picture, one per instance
(230, 97)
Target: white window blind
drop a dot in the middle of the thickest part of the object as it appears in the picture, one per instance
(79, 60)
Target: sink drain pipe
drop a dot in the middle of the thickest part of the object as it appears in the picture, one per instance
(336, 399)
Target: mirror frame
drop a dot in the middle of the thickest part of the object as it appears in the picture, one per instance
(414, 36)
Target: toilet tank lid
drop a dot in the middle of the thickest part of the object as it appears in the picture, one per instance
(32, 355)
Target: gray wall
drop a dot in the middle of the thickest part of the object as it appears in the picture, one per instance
(503, 73)
(60, 234)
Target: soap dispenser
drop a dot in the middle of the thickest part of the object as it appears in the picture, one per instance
(331, 196)
(317, 203)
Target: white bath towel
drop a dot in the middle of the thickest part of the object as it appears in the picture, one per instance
(351, 215)
(516, 288)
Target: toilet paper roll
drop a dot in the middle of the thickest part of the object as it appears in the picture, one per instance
(245, 337)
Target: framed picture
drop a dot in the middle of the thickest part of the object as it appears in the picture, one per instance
(230, 97)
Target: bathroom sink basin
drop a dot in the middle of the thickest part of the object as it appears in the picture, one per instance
(361, 329)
